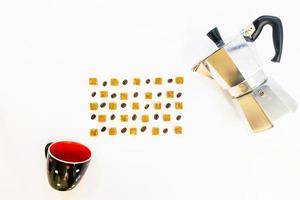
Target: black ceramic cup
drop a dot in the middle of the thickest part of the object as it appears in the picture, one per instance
(67, 162)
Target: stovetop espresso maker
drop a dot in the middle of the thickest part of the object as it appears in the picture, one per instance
(236, 68)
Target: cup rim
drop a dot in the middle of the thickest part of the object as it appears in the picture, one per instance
(70, 162)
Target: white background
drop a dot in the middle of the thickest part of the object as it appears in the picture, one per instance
(48, 49)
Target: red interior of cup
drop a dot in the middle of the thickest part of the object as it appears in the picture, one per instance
(70, 151)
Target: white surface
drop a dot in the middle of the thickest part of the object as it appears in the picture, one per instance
(49, 48)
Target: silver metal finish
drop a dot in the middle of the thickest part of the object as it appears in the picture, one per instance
(274, 100)
(248, 85)
(248, 31)
(236, 67)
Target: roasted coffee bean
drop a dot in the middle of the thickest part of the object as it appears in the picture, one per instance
(178, 94)
(156, 116)
(143, 129)
(136, 94)
(168, 105)
(113, 95)
(123, 130)
(178, 117)
(104, 83)
(102, 105)
(159, 94)
(146, 106)
(165, 130)
(123, 105)
(170, 80)
(103, 129)
(94, 94)
(148, 81)
(125, 82)
(93, 116)
(112, 117)
(134, 117)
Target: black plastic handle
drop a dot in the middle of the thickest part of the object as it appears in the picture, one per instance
(276, 24)
(215, 36)
(46, 148)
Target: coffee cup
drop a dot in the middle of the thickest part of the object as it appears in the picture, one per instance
(67, 162)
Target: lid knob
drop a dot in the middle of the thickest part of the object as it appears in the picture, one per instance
(215, 36)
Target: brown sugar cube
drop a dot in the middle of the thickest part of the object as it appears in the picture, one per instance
(178, 105)
(112, 106)
(136, 81)
(145, 118)
(135, 106)
(93, 81)
(166, 117)
(114, 82)
(178, 130)
(124, 118)
(170, 94)
(148, 95)
(112, 131)
(155, 131)
(94, 132)
(93, 106)
(123, 96)
(158, 81)
(101, 118)
(133, 131)
(179, 80)
(103, 94)
(157, 105)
